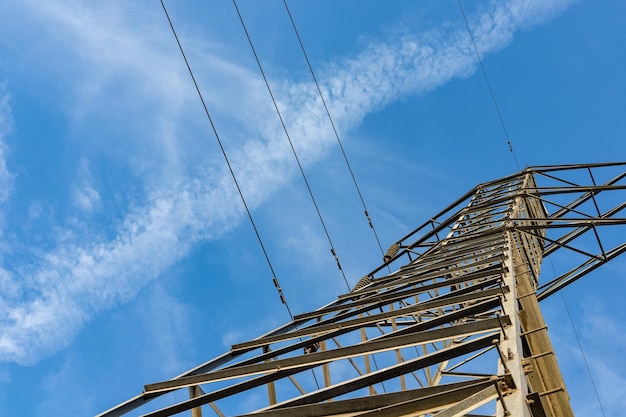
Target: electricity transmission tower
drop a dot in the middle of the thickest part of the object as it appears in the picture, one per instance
(455, 330)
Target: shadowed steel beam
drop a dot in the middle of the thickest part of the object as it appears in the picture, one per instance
(428, 398)
(356, 323)
(470, 403)
(334, 390)
(369, 347)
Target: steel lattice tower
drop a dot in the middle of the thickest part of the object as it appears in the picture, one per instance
(456, 330)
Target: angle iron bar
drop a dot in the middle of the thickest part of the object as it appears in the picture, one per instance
(395, 295)
(443, 261)
(612, 181)
(351, 360)
(483, 238)
(492, 237)
(392, 371)
(216, 409)
(582, 268)
(474, 227)
(573, 249)
(358, 322)
(461, 255)
(418, 276)
(494, 202)
(431, 250)
(468, 374)
(565, 167)
(468, 229)
(503, 180)
(410, 275)
(549, 288)
(493, 206)
(419, 279)
(535, 274)
(142, 399)
(434, 396)
(582, 229)
(126, 407)
(460, 314)
(328, 392)
(585, 197)
(448, 317)
(451, 220)
(214, 363)
(595, 232)
(449, 208)
(475, 287)
(593, 181)
(222, 393)
(559, 179)
(413, 276)
(570, 222)
(486, 209)
(471, 403)
(471, 358)
(468, 238)
(550, 202)
(504, 188)
(318, 358)
(410, 407)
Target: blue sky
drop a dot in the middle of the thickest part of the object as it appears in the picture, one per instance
(126, 254)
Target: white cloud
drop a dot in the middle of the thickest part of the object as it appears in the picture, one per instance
(85, 196)
(6, 125)
(186, 202)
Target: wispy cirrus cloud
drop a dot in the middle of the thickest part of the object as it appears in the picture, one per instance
(6, 125)
(184, 198)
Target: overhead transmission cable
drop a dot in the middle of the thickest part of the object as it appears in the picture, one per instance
(493, 96)
(580, 345)
(495, 103)
(293, 149)
(232, 173)
(593, 384)
(345, 157)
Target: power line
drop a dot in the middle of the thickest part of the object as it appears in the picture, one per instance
(495, 103)
(580, 346)
(493, 96)
(293, 149)
(582, 352)
(232, 173)
(345, 157)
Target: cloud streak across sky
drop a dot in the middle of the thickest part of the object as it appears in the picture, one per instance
(187, 198)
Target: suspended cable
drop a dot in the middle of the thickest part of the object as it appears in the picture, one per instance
(582, 352)
(232, 173)
(345, 157)
(580, 346)
(493, 96)
(293, 149)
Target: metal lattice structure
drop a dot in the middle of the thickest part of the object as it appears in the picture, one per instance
(456, 330)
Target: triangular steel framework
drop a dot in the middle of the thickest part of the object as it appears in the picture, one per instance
(456, 330)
